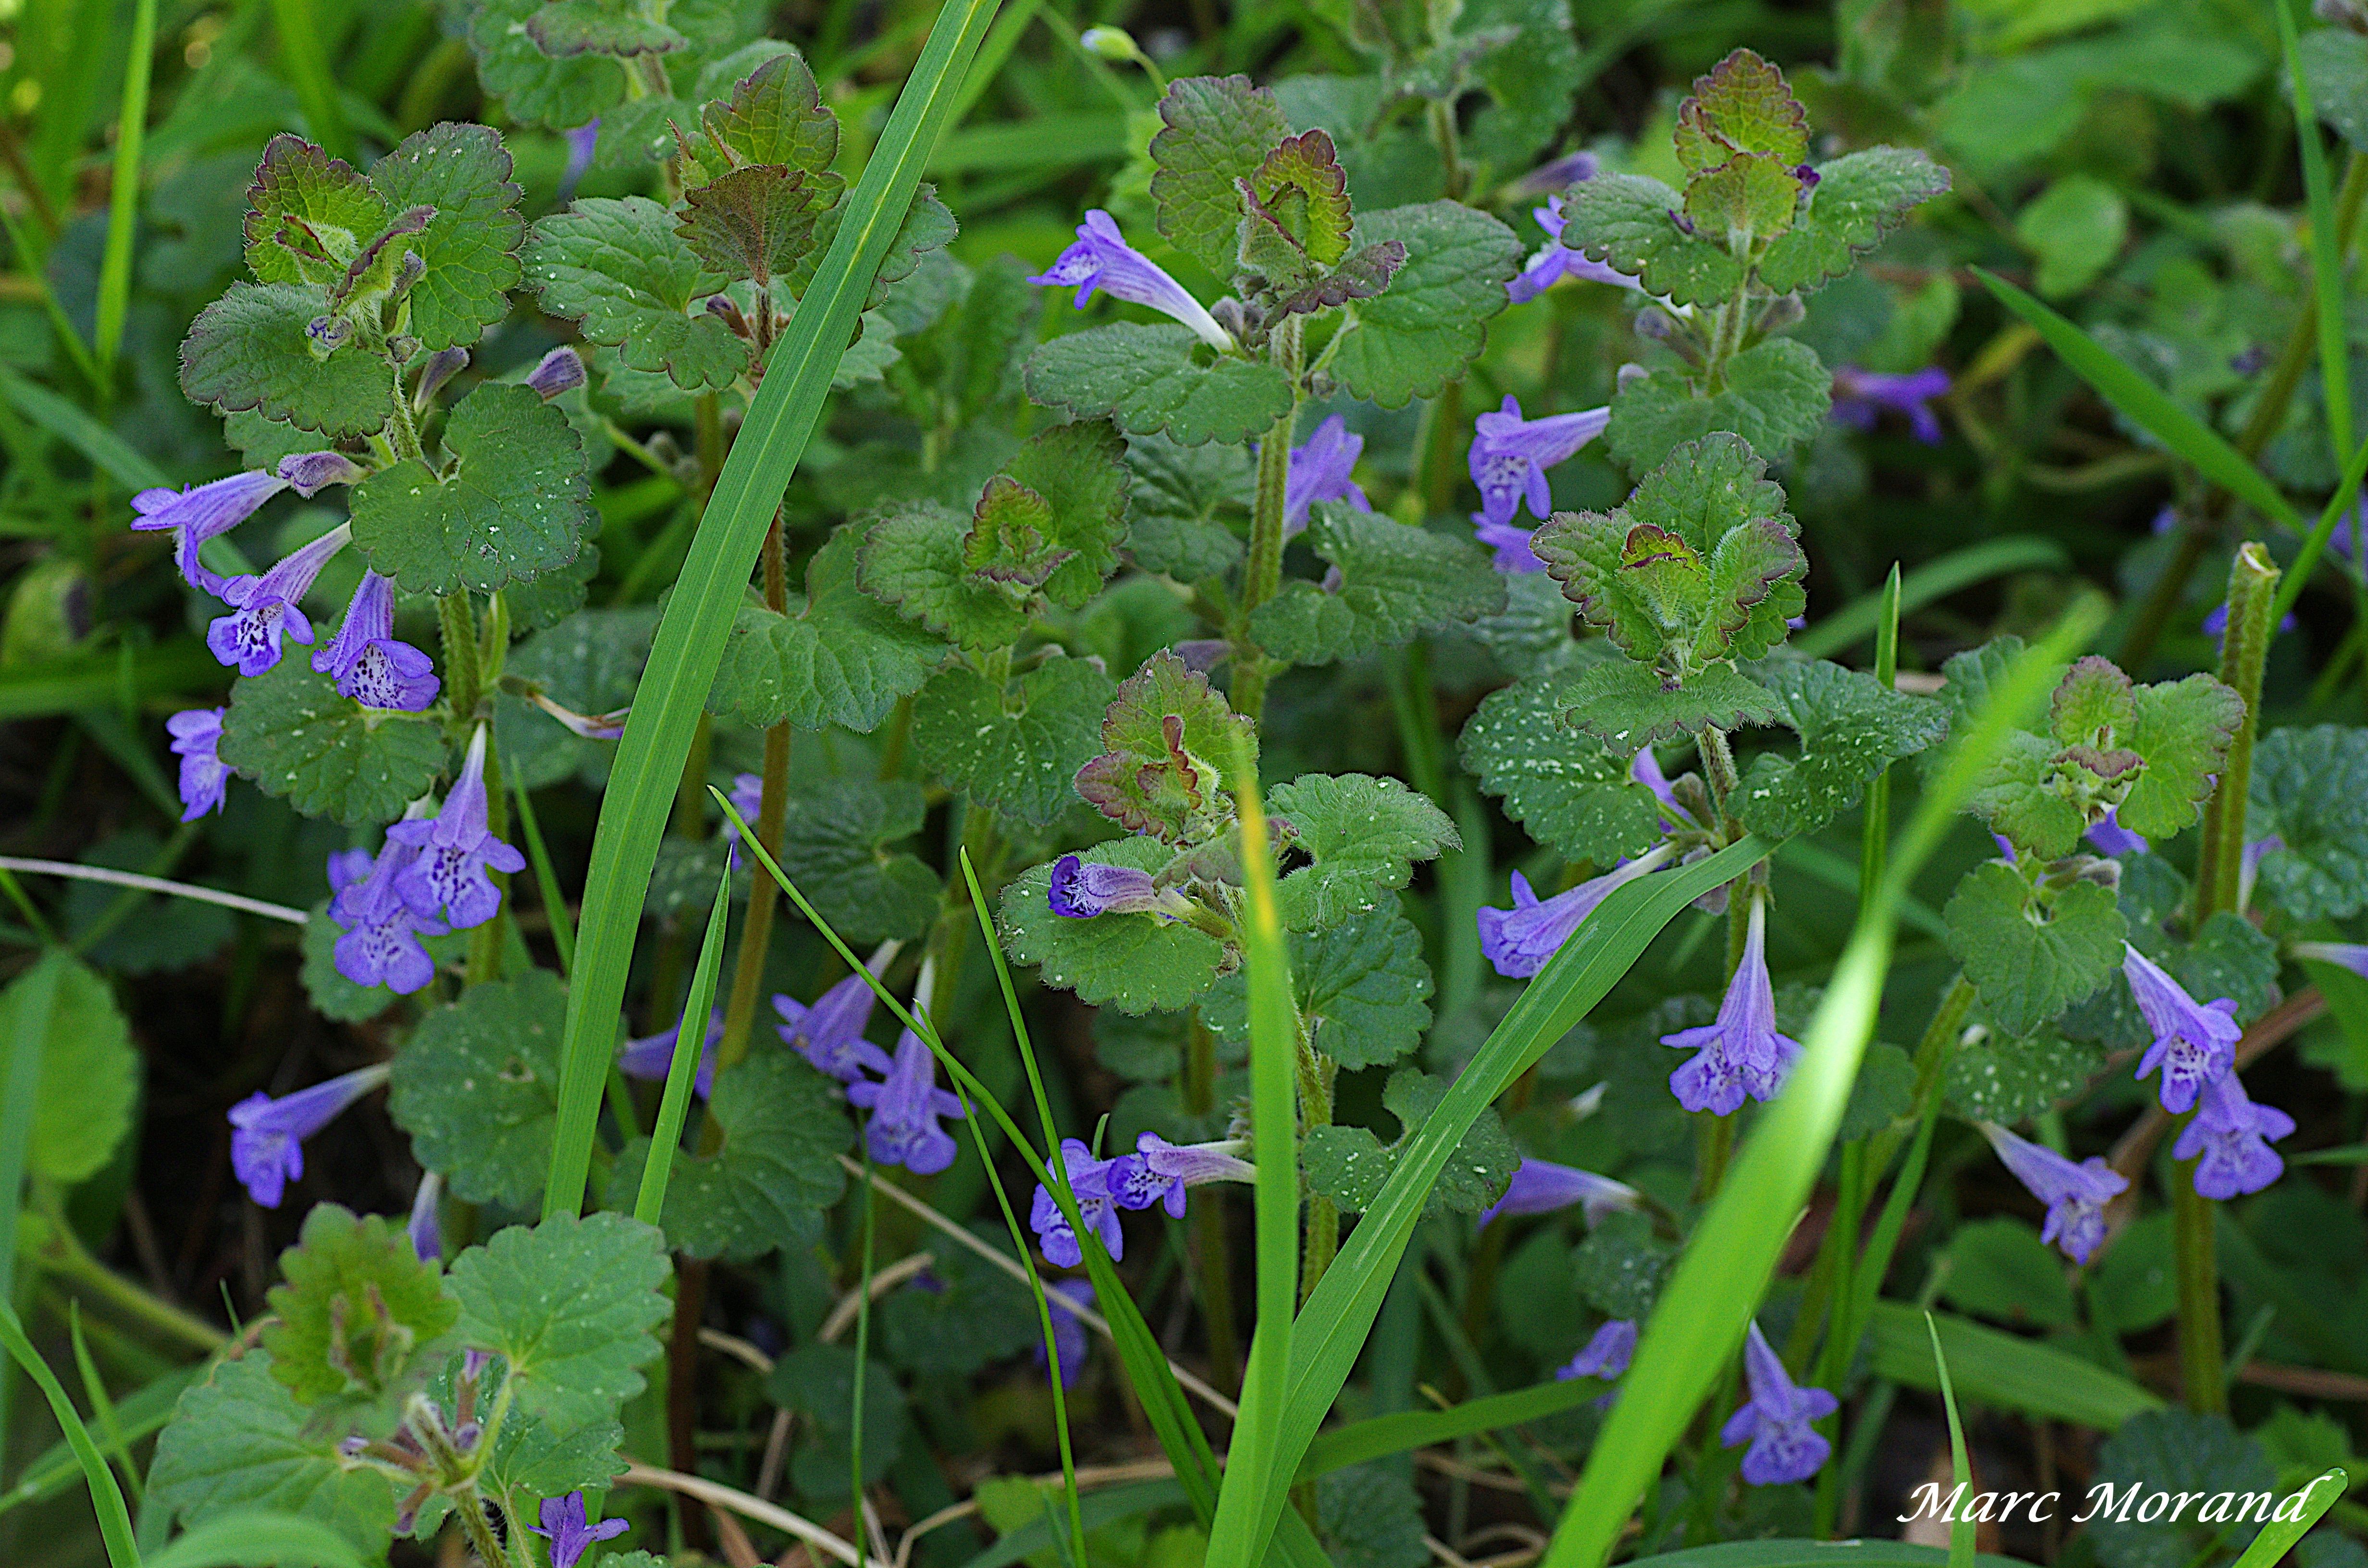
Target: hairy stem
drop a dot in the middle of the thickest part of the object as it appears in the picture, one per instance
(456, 624)
(756, 937)
(478, 1529)
(1262, 570)
(2195, 1260)
(1316, 1073)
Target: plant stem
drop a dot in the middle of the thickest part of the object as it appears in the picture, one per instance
(1262, 569)
(1316, 1073)
(756, 937)
(2196, 1260)
(456, 624)
(1211, 1256)
(64, 1257)
(2253, 591)
(682, 1391)
(480, 1529)
(485, 941)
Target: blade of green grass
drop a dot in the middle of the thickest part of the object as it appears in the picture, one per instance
(94, 1388)
(25, 1012)
(2326, 250)
(1383, 1435)
(2003, 1370)
(689, 1042)
(123, 197)
(2187, 436)
(1961, 1470)
(1691, 1337)
(142, 1414)
(2278, 1536)
(106, 1496)
(1862, 617)
(102, 447)
(234, 1541)
(713, 579)
(2346, 496)
(308, 65)
(1332, 1327)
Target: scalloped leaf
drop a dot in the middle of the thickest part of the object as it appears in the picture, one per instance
(1628, 706)
(2310, 789)
(784, 1128)
(1362, 836)
(1016, 750)
(1776, 393)
(513, 502)
(834, 839)
(1743, 105)
(1390, 582)
(1349, 1164)
(359, 1312)
(1182, 499)
(618, 268)
(308, 213)
(1569, 793)
(289, 733)
(1858, 200)
(569, 1306)
(1629, 224)
(837, 657)
(760, 222)
(239, 1442)
(1168, 743)
(2183, 729)
(1850, 729)
(1148, 379)
(536, 89)
(1433, 321)
(470, 245)
(477, 1087)
(249, 350)
(2030, 962)
(1216, 130)
(1360, 983)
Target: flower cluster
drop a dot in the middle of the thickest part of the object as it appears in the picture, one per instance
(1157, 1172)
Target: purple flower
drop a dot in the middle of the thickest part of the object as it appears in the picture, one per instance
(829, 1034)
(266, 1139)
(1068, 1328)
(457, 848)
(559, 370)
(1520, 940)
(1083, 889)
(195, 515)
(1158, 1171)
(2111, 838)
(905, 1108)
(308, 473)
(652, 1056)
(426, 1225)
(1540, 1186)
(1511, 543)
(748, 798)
(581, 142)
(1555, 261)
(1102, 259)
(265, 608)
(1606, 1355)
(1647, 770)
(1320, 471)
(1741, 1053)
(1860, 395)
(2193, 1045)
(2075, 1194)
(1089, 1179)
(1557, 176)
(381, 945)
(2233, 1136)
(2248, 866)
(205, 777)
(367, 661)
(1510, 455)
(2350, 955)
(570, 1534)
(1775, 1420)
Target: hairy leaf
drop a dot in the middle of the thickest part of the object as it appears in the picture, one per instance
(1349, 1164)
(477, 1087)
(1362, 836)
(1627, 706)
(515, 503)
(1216, 130)
(1776, 393)
(249, 350)
(470, 245)
(839, 657)
(777, 1172)
(1360, 983)
(292, 735)
(357, 1313)
(1017, 749)
(2310, 792)
(569, 1306)
(2030, 962)
(1148, 379)
(1389, 583)
(618, 268)
(1433, 322)
(1569, 793)
(1850, 730)
(239, 1442)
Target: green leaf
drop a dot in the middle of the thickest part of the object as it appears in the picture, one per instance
(1622, 1264)
(589, 662)
(1626, 706)
(1148, 379)
(1362, 836)
(976, 1313)
(2171, 1451)
(616, 268)
(514, 504)
(249, 350)
(775, 115)
(568, 1305)
(1371, 1518)
(1393, 582)
(2005, 1371)
(535, 88)
(818, 1381)
(1168, 746)
(290, 733)
(1134, 963)
(1884, 1092)
(238, 1442)
(841, 657)
(2135, 1285)
(834, 843)
(1360, 983)
(1433, 322)
(912, 559)
(2011, 1078)
(2310, 789)
(1850, 729)
(2032, 961)
(762, 223)
(1187, 503)
(534, 1461)
(1999, 1268)
(1079, 472)
(2335, 64)
(477, 1087)
(470, 245)
(2078, 226)
(90, 1074)
(1742, 106)
(1215, 129)
(1568, 791)
(2183, 730)
(1629, 223)
(784, 1128)
(1017, 749)
(1776, 393)
(1349, 1165)
(1744, 202)
(358, 1311)
(1858, 200)
(565, 28)
(307, 214)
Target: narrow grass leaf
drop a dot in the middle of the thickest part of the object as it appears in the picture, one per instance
(715, 578)
(2346, 497)
(1862, 617)
(140, 1414)
(2326, 250)
(106, 1496)
(546, 880)
(308, 66)
(1961, 1470)
(2278, 1536)
(2002, 1371)
(94, 1388)
(689, 1042)
(124, 196)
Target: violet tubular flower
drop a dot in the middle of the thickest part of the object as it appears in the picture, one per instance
(570, 1532)
(2194, 1045)
(264, 608)
(561, 370)
(1520, 940)
(1606, 1355)
(652, 1056)
(205, 777)
(1068, 1328)
(1741, 1053)
(457, 849)
(1158, 1171)
(1860, 395)
(905, 1106)
(1102, 259)
(2229, 1141)
(1555, 261)
(1540, 1186)
(829, 1034)
(196, 514)
(582, 142)
(1089, 1179)
(2352, 955)
(1320, 471)
(1776, 1420)
(366, 661)
(1082, 888)
(2076, 1195)
(1510, 455)
(2110, 838)
(308, 473)
(1557, 175)
(426, 1226)
(267, 1139)
(1511, 543)
(381, 945)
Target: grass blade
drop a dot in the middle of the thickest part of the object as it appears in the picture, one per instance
(2345, 499)
(140, 1414)
(2326, 250)
(106, 1496)
(2146, 404)
(123, 197)
(690, 1043)
(1383, 1435)
(1692, 1335)
(1961, 1470)
(2278, 1536)
(1862, 617)
(2004, 1370)
(708, 590)
(308, 64)
(546, 880)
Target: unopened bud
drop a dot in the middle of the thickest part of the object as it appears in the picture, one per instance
(308, 472)
(559, 370)
(441, 366)
(1110, 43)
